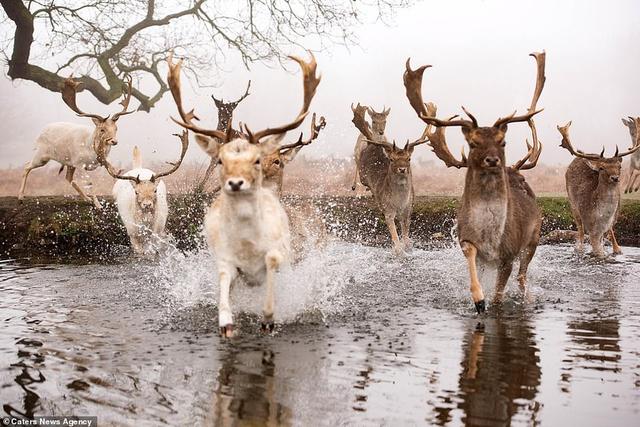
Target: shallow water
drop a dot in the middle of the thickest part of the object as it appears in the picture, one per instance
(363, 339)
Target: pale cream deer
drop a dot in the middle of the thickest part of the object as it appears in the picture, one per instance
(634, 160)
(247, 227)
(72, 145)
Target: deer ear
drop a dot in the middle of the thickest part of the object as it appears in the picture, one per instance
(291, 154)
(370, 111)
(208, 145)
(96, 121)
(386, 112)
(271, 144)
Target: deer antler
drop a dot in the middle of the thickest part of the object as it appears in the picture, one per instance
(125, 100)
(360, 122)
(438, 142)
(310, 83)
(315, 131)
(530, 160)
(233, 104)
(566, 143)
(101, 156)
(184, 141)
(173, 79)
(69, 90)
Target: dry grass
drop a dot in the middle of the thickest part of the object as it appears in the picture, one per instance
(313, 177)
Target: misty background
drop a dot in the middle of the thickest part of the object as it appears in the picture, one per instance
(479, 53)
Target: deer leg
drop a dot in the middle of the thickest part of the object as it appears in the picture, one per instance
(525, 258)
(35, 163)
(355, 180)
(470, 252)
(633, 176)
(580, 227)
(226, 274)
(390, 218)
(504, 271)
(614, 243)
(273, 259)
(69, 177)
(596, 245)
(405, 222)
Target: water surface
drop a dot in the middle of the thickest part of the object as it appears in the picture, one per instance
(363, 339)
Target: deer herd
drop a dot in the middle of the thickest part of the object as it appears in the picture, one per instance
(252, 233)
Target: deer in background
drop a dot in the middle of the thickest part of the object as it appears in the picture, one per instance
(634, 160)
(247, 227)
(141, 197)
(498, 218)
(385, 169)
(72, 145)
(378, 125)
(225, 117)
(593, 186)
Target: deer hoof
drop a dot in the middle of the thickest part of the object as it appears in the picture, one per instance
(226, 331)
(267, 327)
(481, 307)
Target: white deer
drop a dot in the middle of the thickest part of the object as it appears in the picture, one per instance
(246, 226)
(141, 197)
(72, 145)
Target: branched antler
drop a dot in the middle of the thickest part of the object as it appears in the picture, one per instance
(566, 144)
(530, 160)
(315, 131)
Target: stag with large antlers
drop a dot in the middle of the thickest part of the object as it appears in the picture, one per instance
(593, 186)
(141, 197)
(72, 145)
(378, 125)
(247, 226)
(498, 219)
(634, 160)
(385, 169)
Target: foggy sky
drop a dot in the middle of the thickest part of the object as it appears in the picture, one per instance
(479, 52)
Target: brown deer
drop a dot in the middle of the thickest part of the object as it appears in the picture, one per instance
(225, 117)
(378, 125)
(385, 169)
(593, 186)
(247, 227)
(634, 160)
(498, 219)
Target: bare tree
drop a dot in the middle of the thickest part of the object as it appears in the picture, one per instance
(105, 39)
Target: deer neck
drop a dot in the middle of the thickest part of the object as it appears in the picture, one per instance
(484, 185)
(243, 208)
(607, 192)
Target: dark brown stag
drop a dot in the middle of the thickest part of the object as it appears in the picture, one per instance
(498, 219)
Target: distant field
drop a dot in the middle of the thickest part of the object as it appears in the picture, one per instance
(303, 177)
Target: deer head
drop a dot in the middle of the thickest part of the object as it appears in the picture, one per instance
(399, 158)
(378, 120)
(630, 123)
(145, 189)
(106, 128)
(608, 168)
(241, 155)
(226, 109)
(486, 144)
(273, 163)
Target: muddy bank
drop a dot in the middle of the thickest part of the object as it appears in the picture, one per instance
(65, 226)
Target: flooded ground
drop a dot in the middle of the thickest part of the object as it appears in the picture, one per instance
(364, 339)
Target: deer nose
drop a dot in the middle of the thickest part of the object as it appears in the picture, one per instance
(235, 185)
(492, 161)
(113, 142)
(402, 170)
(615, 178)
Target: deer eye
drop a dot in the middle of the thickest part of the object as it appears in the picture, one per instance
(503, 143)
(257, 162)
(219, 162)
(276, 161)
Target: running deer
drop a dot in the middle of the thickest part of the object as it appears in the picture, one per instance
(72, 145)
(498, 219)
(593, 186)
(141, 198)
(385, 169)
(246, 226)
(225, 117)
(634, 160)
(378, 125)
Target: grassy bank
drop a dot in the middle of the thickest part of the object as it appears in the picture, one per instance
(65, 226)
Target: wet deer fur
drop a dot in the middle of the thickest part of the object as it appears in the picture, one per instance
(593, 188)
(498, 219)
